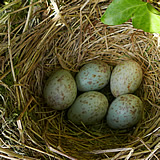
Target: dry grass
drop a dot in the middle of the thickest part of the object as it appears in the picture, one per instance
(69, 35)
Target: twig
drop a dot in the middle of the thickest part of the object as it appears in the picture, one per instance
(152, 153)
(11, 61)
(157, 147)
(34, 149)
(60, 153)
(10, 51)
(81, 28)
(9, 5)
(12, 154)
(6, 157)
(110, 150)
(28, 17)
(54, 4)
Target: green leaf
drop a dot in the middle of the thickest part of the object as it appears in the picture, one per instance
(146, 20)
(152, 9)
(144, 16)
(120, 11)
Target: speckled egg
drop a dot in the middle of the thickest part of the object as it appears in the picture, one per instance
(124, 112)
(93, 76)
(89, 108)
(60, 90)
(125, 78)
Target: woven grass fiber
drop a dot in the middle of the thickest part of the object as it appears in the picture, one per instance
(38, 37)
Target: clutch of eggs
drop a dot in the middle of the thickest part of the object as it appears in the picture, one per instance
(89, 108)
(93, 76)
(60, 90)
(124, 112)
(126, 77)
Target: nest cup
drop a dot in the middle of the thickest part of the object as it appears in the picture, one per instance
(71, 38)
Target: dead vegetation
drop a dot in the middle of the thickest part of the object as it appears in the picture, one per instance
(39, 37)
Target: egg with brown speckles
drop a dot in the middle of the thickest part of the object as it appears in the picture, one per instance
(93, 76)
(89, 108)
(60, 90)
(126, 77)
(124, 112)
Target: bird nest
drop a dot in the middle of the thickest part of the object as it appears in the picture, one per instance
(37, 39)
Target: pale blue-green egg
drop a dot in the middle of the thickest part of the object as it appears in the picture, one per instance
(89, 108)
(60, 90)
(126, 77)
(124, 112)
(93, 76)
